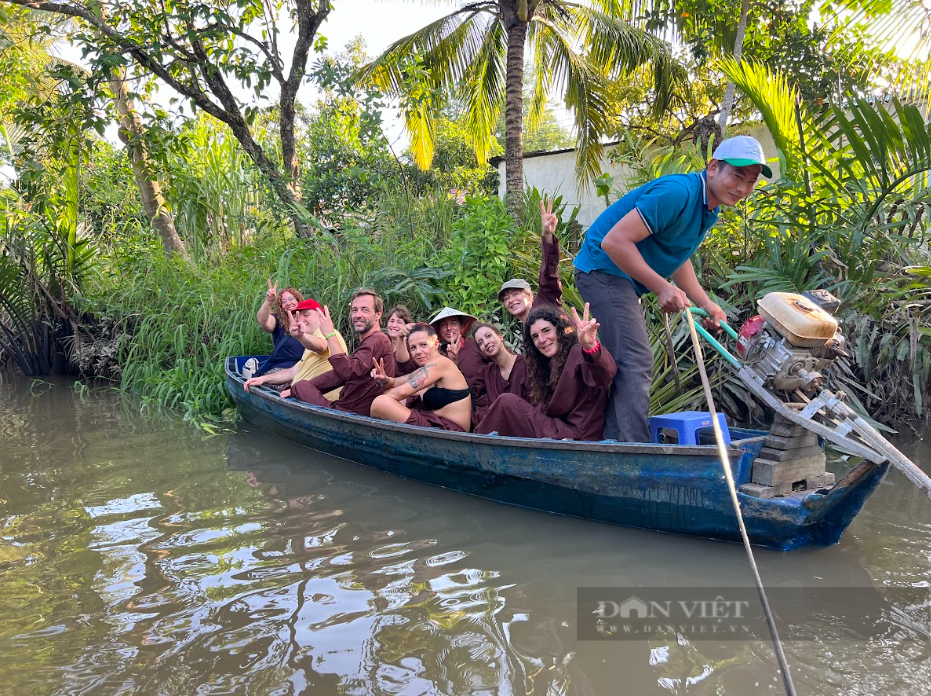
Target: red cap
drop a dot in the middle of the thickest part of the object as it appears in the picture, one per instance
(309, 304)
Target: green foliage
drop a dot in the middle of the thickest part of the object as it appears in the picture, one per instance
(45, 258)
(454, 166)
(826, 50)
(345, 164)
(480, 252)
(216, 194)
(110, 202)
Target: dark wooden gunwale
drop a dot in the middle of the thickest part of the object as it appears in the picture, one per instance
(530, 443)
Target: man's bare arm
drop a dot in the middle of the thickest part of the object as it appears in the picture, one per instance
(313, 343)
(686, 280)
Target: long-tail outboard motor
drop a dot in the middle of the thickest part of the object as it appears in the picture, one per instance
(793, 340)
(785, 350)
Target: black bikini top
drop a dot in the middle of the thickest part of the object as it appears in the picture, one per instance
(436, 398)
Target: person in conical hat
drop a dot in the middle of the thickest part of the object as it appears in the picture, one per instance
(452, 327)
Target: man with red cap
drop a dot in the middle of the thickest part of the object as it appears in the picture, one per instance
(305, 327)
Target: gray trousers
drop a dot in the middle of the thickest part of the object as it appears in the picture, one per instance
(615, 304)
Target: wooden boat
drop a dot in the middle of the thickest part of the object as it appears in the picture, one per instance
(668, 488)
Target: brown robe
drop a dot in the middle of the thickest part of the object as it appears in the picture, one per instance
(470, 362)
(575, 412)
(429, 419)
(354, 374)
(549, 286)
(406, 367)
(490, 385)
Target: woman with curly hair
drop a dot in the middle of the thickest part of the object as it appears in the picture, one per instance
(569, 376)
(275, 317)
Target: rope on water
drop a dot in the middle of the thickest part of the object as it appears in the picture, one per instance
(729, 477)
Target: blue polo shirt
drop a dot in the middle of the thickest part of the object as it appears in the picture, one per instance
(675, 210)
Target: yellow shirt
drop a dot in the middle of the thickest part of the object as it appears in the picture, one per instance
(314, 364)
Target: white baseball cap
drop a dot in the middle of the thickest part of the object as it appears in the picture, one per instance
(741, 151)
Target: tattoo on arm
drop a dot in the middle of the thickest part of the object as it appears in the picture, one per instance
(419, 377)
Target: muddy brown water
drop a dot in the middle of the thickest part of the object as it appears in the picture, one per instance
(139, 557)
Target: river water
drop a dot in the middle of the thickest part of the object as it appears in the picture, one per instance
(138, 556)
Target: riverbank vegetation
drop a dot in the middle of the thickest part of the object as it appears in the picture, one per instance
(96, 280)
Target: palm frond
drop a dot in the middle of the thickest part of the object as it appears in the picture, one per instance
(456, 53)
(883, 152)
(774, 98)
(619, 47)
(893, 26)
(447, 47)
(583, 88)
(483, 89)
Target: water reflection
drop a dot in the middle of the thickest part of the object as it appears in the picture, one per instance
(139, 557)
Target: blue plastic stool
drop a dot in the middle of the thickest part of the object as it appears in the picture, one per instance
(687, 424)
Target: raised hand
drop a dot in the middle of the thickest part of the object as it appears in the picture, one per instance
(586, 328)
(378, 372)
(452, 350)
(405, 330)
(272, 293)
(326, 322)
(549, 220)
(296, 328)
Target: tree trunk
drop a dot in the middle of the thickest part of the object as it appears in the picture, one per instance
(130, 133)
(514, 117)
(728, 102)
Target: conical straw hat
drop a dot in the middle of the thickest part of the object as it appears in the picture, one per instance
(447, 312)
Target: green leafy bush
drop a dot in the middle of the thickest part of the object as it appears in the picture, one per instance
(480, 251)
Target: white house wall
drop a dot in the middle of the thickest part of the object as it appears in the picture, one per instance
(554, 173)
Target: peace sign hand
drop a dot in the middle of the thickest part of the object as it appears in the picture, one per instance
(296, 328)
(452, 350)
(378, 372)
(272, 293)
(549, 220)
(586, 328)
(326, 322)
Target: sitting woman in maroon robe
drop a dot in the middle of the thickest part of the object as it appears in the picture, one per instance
(397, 327)
(504, 373)
(569, 376)
(442, 395)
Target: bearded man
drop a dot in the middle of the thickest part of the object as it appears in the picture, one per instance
(351, 372)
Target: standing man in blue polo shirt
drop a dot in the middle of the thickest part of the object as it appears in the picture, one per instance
(636, 246)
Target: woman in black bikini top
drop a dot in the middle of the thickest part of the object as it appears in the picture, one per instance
(436, 398)
(441, 395)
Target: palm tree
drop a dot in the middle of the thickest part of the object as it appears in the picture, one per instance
(475, 57)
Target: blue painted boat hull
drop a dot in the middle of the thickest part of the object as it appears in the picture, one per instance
(668, 488)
